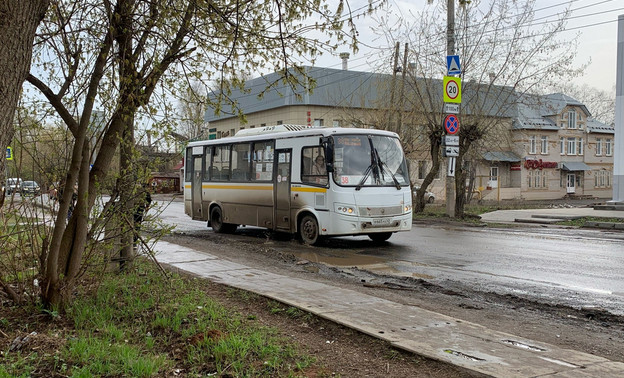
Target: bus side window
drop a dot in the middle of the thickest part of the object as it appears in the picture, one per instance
(262, 161)
(221, 161)
(313, 169)
(207, 162)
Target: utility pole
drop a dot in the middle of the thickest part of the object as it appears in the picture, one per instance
(391, 119)
(618, 151)
(402, 91)
(450, 50)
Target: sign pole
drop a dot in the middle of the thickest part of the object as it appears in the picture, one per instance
(450, 50)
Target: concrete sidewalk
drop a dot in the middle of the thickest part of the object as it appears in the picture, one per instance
(549, 216)
(422, 332)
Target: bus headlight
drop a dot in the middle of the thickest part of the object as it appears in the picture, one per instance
(407, 209)
(345, 209)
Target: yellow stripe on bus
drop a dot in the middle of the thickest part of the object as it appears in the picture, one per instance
(245, 187)
(258, 187)
(312, 190)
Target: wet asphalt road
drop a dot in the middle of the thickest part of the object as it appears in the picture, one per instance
(572, 267)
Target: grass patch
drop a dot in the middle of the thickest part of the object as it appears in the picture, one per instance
(141, 324)
(580, 222)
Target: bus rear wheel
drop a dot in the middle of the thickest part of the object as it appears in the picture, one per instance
(309, 230)
(380, 236)
(217, 224)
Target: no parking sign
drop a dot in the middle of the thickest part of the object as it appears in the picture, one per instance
(451, 124)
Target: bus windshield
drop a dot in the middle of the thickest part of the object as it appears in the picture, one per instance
(369, 160)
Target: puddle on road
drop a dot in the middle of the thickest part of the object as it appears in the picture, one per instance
(341, 261)
(370, 263)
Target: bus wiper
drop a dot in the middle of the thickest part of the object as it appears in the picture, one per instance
(372, 167)
(381, 164)
(366, 174)
(396, 182)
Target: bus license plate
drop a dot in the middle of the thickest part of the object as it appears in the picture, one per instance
(382, 221)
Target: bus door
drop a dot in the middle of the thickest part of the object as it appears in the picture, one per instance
(196, 191)
(281, 191)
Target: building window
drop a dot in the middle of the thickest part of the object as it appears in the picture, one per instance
(318, 122)
(608, 150)
(532, 144)
(598, 147)
(602, 179)
(280, 122)
(580, 121)
(537, 179)
(571, 146)
(336, 123)
(572, 119)
(544, 146)
(493, 173)
(422, 169)
(579, 146)
(562, 146)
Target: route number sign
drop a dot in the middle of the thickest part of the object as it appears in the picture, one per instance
(452, 89)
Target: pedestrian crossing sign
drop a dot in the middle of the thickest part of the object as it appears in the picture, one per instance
(452, 65)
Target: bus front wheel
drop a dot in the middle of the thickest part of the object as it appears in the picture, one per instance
(217, 224)
(309, 230)
(380, 237)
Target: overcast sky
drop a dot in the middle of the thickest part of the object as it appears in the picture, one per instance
(595, 20)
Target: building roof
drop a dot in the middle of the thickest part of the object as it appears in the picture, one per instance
(536, 113)
(365, 90)
(595, 126)
(355, 89)
(555, 103)
(334, 87)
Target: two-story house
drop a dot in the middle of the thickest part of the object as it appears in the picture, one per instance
(557, 150)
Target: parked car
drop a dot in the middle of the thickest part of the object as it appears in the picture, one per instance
(30, 187)
(13, 185)
(429, 197)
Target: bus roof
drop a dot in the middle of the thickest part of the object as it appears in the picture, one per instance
(290, 131)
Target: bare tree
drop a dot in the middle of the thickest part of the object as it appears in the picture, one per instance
(505, 53)
(123, 57)
(192, 107)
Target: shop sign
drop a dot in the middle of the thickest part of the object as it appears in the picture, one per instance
(539, 164)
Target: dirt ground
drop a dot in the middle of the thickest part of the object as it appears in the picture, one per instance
(592, 331)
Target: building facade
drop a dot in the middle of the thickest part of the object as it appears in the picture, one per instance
(557, 151)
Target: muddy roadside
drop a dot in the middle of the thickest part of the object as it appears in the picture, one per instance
(592, 331)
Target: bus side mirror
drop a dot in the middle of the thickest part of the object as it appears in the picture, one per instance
(330, 167)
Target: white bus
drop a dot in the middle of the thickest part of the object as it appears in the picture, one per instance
(312, 181)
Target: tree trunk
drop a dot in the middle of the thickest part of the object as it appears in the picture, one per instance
(435, 142)
(18, 23)
(127, 178)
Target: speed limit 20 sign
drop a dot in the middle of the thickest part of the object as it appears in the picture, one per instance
(452, 89)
